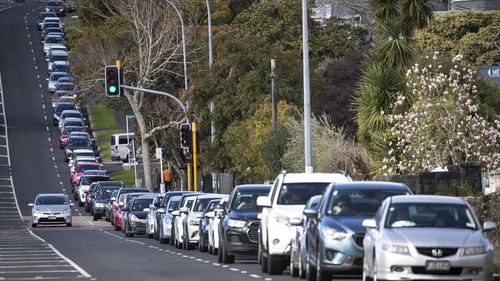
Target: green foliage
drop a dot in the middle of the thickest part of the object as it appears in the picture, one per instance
(462, 32)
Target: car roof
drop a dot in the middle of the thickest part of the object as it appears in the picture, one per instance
(53, 34)
(315, 177)
(145, 196)
(262, 187)
(59, 62)
(82, 150)
(72, 119)
(80, 163)
(427, 199)
(59, 52)
(51, 194)
(371, 185)
(52, 18)
(209, 195)
(59, 73)
(71, 111)
(84, 158)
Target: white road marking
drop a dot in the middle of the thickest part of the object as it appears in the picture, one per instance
(255, 276)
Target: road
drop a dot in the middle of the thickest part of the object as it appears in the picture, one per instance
(31, 162)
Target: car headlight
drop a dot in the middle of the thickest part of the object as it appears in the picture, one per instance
(134, 218)
(36, 211)
(66, 211)
(99, 205)
(194, 222)
(282, 219)
(236, 223)
(333, 233)
(397, 249)
(475, 250)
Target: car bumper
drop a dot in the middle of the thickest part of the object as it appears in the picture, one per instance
(242, 240)
(342, 255)
(51, 219)
(462, 267)
(167, 229)
(280, 237)
(138, 227)
(99, 210)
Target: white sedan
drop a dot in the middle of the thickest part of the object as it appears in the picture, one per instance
(51, 208)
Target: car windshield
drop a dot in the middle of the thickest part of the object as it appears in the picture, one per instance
(201, 204)
(358, 202)
(83, 168)
(433, 215)
(60, 58)
(140, 204)
(53, 4)
(54, 39)
(211, 206)
(51, 200)
(79, 142)
(299, 193)
(66, 87)
(173, 204)
(106, 192)
(67, 131)
(73, 123)
(85, 154)
(42, 16)
(71, 114)
(64, 106)
(90, 180)
(246, 200)
(50, 24)
(55, 77)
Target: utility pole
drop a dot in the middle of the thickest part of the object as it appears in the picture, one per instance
(273, 95)
(195, 157)
(307, 92)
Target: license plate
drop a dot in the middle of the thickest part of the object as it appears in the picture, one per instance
(442, 266)
(52, 217)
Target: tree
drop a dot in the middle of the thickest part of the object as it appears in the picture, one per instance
(442, 125)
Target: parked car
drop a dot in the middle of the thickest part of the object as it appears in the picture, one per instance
(116, 214)
(63, 138)
(53, 77)
(50, 26)
(60, 107)
(334, 235)
(151, 217)
(163, 209)
(110, 204)
(83, 185)
(191, 222)
(56, 48)
(298, 244)
(213, 228)
(76, 142)
(166, 221)
(80, 168)
(126, 201)
(88, 152)
(56, 56)
(137, 211)
(427, 237)
(89, 194)
(51, 208)
(52, 40)
(286, 200)
(240, 224)
(178, 217)
(102, 196)
(208, 213)
(70, 121)
(42, 16)
(118, 146)
(69, 113)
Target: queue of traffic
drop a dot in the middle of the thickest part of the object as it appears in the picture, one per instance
(316, 225)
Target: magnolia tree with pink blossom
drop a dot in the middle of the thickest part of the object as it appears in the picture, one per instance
(440, 125)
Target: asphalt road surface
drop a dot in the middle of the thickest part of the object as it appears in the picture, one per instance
(31, 163)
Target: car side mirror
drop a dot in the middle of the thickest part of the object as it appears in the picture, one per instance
(183, 210)
(72, 204)
(31, 204)
(264, 201)
(369, 223)
(175, 213)
(489, 225)
(209, 215)
(147, 210)
(309, 212)
(296, 221)
(112, 199)
(161, 211)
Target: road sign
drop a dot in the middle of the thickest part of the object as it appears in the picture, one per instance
(158, 152)
(494, 72)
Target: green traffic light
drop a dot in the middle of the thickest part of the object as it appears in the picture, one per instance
(112, 89)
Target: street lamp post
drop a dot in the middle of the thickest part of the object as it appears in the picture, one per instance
(183, 43)
(128, 117)
(307, 92)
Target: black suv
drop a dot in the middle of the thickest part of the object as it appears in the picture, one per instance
(240, 225)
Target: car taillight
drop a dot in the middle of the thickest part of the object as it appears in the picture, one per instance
(116, 147)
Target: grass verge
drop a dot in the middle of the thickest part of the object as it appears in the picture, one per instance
(496, 268)
(103, 142)
(126, 176)
(102, 117)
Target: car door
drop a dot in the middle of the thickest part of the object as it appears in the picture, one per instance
(372, 234)
(266, 211)
(312, 232)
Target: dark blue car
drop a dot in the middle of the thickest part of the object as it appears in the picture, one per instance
(335, 233)
(240, 225)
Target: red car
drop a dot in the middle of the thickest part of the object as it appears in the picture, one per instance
(63, 138)
(118, 217)
(80, 168)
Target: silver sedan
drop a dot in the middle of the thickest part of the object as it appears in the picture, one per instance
(51, 208)
(426, 237)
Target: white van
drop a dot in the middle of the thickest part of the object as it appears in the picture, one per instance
(118, 146)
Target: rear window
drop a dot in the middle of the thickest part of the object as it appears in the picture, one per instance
(67, 131)
(72, 123)
(59, 58)
(64, 106)
(90, 180)
(122, 140)
(78, 142)
(83, 168)
(53, 40)
(299, 193)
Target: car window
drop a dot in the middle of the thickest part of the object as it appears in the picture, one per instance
(440, 215)
(83, 168)
(246, 200)
(358, 202)
(51, 200)
(173, 204)
(122, 141)
(299, 193)
(201, 204)
(78, 142)
(140, 204)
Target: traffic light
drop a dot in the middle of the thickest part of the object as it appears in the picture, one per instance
(112, 81)
(186, 135)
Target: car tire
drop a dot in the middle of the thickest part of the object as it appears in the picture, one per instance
(68, 224)
(310, 269)
(302, 268)
(33, 225)
(226, 257)
(210, 251)
(80, 203)
(262, 258)
(87, 210)
(172, 237)
(117, 227)
(275, 264)
(219, 252)
(321, 275)
(95, 217)
(294, 271)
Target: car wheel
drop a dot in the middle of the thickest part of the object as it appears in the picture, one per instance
(172, 237)
(321, 275)
(262, 258)
(210, 251)
(219, 251)
(80, 203)
(68, 224)
(310, 269)
(275, 264)
(33, 225)
(294, 271)
(117, 227)
(95, 217)
(226, 257)
(87, 210)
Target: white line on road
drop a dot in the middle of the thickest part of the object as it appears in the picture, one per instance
(5, 121)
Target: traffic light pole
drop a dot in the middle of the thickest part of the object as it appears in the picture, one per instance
(195, 157)
(184, 109)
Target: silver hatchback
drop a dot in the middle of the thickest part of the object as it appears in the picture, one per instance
(427, 237)
(51, 208)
